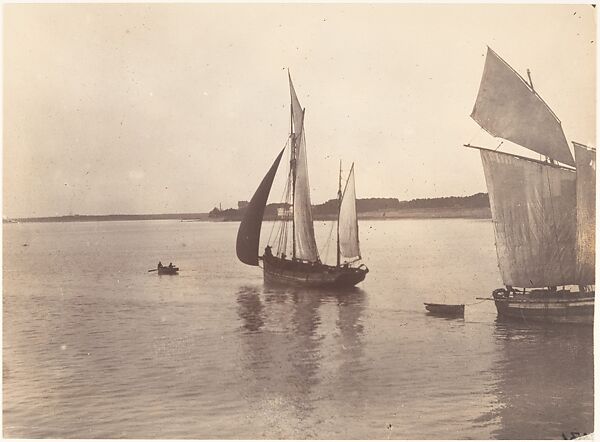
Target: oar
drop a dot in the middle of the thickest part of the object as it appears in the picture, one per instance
(152, 270)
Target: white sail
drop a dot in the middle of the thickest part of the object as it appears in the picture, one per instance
(533, 210)
(586, 213)
(348, 223)
(507, 107)
(304, 235)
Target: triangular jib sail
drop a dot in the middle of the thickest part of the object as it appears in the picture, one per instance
(348, 223)
(533, 210)
(305, 247)
(249, 231)
(509, 108)
(586, 213)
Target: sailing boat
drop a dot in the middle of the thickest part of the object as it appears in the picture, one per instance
(543, 210)
(304, 267)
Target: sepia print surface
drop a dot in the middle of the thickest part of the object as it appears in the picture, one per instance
(289, 221)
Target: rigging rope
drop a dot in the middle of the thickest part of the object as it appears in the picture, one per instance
(476, 133)
(284, 194)
(478, 302)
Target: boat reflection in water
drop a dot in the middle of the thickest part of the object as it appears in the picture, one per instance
(293, 340)
(330, 365)
(544, 370)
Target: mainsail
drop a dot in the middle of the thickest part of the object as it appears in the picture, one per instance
(533, 209)
(586, 213)
(347, 221)
(249, 231)
(304, 235)
(508, 107)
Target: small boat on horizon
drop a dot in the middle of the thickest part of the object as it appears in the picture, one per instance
(543, 211)
(294, 234)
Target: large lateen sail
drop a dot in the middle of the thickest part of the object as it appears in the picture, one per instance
(533, 209)
(586, 213)
(249, 231)
(348, 224)
(304, 235)
(507, 107)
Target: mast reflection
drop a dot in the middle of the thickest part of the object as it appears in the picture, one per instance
(298, 347)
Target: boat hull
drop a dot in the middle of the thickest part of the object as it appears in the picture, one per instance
(545, 306)
(288, 272)
(168, 270)
(445, 309)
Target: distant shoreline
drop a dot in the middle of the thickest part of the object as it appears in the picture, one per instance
(92, 218)
(475, 206)
(425, 213)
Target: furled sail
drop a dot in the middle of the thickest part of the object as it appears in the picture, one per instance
(249, 231)
(348, 223)
(507, 107)
(533, 209)
(306, 247)
(586, 213)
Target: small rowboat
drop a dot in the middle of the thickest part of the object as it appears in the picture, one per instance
(168, 270)
(445, 309)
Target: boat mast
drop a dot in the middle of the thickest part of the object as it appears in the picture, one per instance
(356, 219)
(546, 158)
(293, 174)
(338, 217)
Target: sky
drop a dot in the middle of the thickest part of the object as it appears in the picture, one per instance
(164, 108)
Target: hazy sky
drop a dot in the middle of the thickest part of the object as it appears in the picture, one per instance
(174, 108)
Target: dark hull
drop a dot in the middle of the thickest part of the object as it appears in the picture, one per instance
(168, 270)
(545, 306)
(311, 275)
(445, 309)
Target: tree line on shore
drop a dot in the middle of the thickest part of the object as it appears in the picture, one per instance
(365, 205)
(326, 210)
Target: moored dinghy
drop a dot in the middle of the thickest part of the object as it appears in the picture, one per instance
(543, 211)
(445, 309)
(304, 266)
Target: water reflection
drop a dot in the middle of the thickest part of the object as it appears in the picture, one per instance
(543, 370)
(250, 309)
(298, 348)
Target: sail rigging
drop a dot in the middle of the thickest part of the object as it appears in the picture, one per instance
(586, 213)
(305, 267)
(543, 212)
(509, 108)
(347, 221)
(533, 210)
(249, 231)
(304, 244)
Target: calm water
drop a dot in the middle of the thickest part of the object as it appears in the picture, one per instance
(94, 346)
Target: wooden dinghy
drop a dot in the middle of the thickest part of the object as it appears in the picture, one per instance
(168, 270)
(165, 270)
(445, 309)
